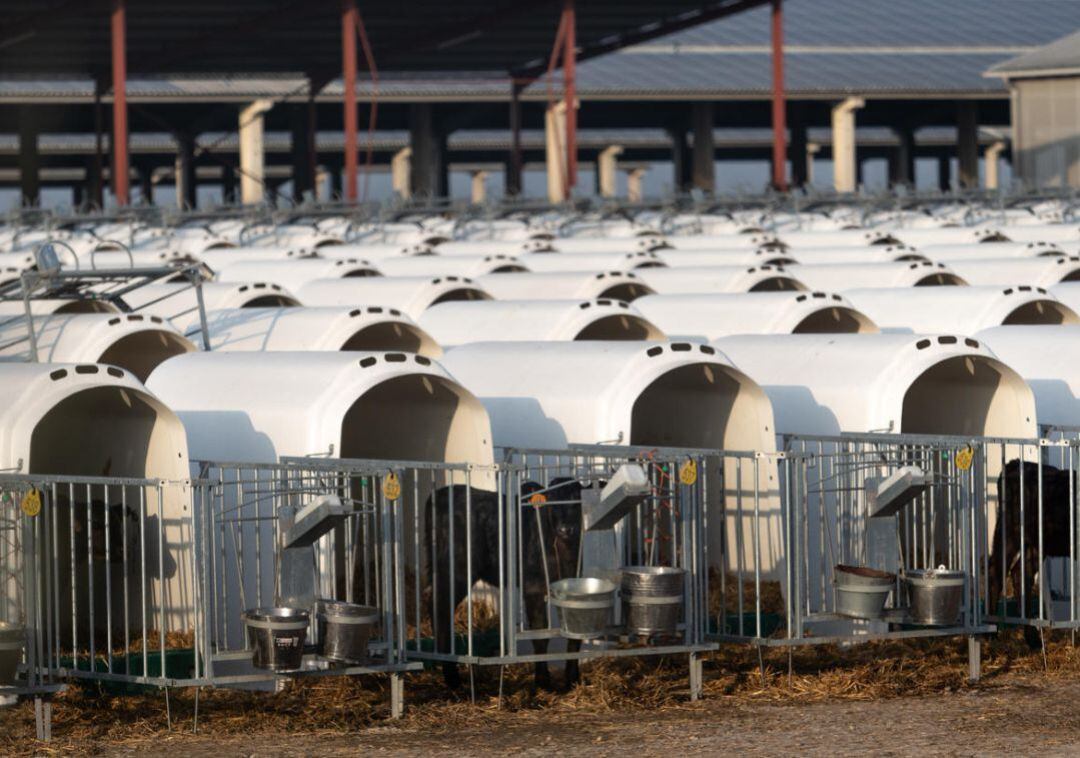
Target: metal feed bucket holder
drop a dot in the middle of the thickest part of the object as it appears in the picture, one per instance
(936, 595)
(586, 606)
(652, 599)
(344, 630)
(276, 636)
(861, 592)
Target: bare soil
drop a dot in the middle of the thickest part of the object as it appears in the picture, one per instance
(910, 699)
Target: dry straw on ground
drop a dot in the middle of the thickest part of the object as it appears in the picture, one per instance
(85, 720)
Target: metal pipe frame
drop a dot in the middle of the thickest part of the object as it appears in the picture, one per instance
(349, 19)
(120, 175)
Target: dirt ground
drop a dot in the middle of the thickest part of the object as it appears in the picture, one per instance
(1021, 716)
(910, 699)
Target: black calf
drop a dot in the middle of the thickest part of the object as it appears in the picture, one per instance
(1055, 519)
(551, 531)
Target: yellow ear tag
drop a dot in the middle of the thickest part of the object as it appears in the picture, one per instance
(31, 503)
(391, 487)
(538, 499)
(964, 457)
(688, 472)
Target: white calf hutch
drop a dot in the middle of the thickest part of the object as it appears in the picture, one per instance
(179, 302)
(551, 395)
(591, 261)
(396, 406)
(133, 341)
(536, 320)
(373, 328)
(963, 310)
(294, 274)
(98, 559)
(616, 285)
(828, 384)
(1034, 272)
(703, 318)
(452, 265)
(410, 294)
(837, 277)
(719, 279)
(1048, 360)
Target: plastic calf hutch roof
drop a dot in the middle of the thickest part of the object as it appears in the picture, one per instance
(572, 285)
(373, 328)
(296, 272)
(393, 406)
(842, 276)
(178, 302)
(827, 384)
(963, 310)
(720, 279)
(551, 394)
(703, 318)
(131, 341)
(536, 320)
(1034, 272)
(452, 265)
(411, 295)
(1047, 358)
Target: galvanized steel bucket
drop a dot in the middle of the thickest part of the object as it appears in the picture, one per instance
(12, 642)
(935, 595)
(861, 592)
(344, 630)
(276, 637)
(652, 598)
(585, 606)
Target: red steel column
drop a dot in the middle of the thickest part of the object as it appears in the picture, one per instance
(120, 174)
(349, 19)
(779, 114)
(570, 76)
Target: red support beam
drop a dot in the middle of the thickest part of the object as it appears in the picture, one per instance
(120, 174)
(570, 90)
(349, 19)
(779, 110)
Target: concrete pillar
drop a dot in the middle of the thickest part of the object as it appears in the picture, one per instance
(967, 144)
(944, 181)
(555, 152)
(799, 154)
(186, 196)
(401, 173)
(29, 163)
(704, 163)
(634, 191)
(812, 149)
(902, 159)
(991, 158)
(680, 158)
(607, 171)
(478, 193)
(845, 164)
(252, 159)
(322, 179)
(429, 174)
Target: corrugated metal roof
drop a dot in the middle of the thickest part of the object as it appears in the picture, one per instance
(1059, 57)
(834, 47)
(910, 47)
